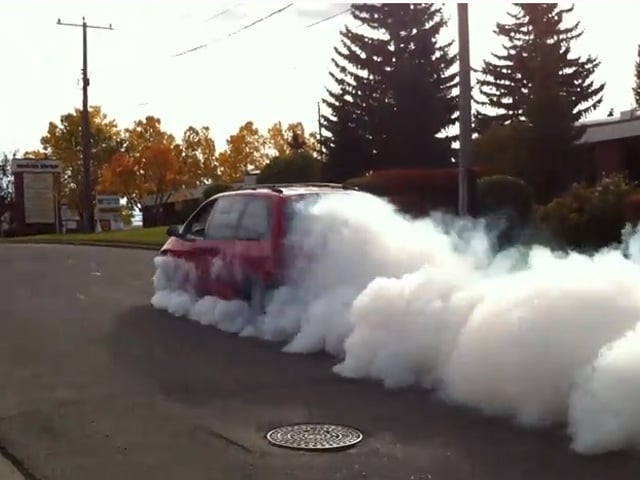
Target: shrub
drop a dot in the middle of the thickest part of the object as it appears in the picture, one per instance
(589, 217)
(299, 166)
(502, 193)
(214, 189)
(508, 201)
(418, 191)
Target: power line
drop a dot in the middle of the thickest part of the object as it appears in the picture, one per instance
(220, 39)
(255, 22)
(330, 17)
(223, 12)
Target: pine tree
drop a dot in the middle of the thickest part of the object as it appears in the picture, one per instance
(395, 92)
(537, 81)
(636, 86)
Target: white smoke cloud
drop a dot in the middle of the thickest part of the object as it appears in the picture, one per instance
(530, 334)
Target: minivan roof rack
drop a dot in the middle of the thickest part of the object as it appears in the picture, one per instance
(278, 187)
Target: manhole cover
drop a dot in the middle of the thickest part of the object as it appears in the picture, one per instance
(314, 436)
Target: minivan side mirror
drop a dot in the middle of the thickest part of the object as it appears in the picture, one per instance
(173, 231)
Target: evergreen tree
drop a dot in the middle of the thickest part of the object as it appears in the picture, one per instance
(537, 81)
(394, 96)
(636, 86)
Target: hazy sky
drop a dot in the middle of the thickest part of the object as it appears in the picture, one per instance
(276, 70)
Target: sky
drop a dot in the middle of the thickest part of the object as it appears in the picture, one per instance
(275, 70)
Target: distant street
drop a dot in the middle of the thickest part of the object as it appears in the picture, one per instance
(95, 384)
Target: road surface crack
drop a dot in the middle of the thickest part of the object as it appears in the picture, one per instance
(229, 440)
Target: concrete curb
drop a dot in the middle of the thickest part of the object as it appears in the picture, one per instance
(132, 246)
(11, 468)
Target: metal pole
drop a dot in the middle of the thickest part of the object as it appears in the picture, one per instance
(87, 183)
(464, 68)
(320, 147)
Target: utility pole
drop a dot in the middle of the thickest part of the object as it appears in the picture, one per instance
(464, 68)
(320, 139)
(87, 187)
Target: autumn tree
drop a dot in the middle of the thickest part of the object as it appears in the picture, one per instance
(246, 150)
(284, 141)
(149, 165)
(198, 155)
(537, 81)
(6, 183)
(636, 83)
(395, 99)
(162, 171)
(62, 142)
(35, 154)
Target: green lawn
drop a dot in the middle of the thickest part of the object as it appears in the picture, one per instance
(155, 236)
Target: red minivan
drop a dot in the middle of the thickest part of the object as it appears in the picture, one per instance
(236, 240)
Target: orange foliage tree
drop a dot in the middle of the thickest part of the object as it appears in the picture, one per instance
(285, 141)
(198, 155)
(246, 150)
(62, 142)
(151, 165)
(35, 154)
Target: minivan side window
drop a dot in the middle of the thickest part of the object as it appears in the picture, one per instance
(195, 226)
(223, 222)
(292, 205)
(255, 223)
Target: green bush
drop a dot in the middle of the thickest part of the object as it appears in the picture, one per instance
(589, 218)
(507, 202)
(501, 194)
(296, 167)
(419, 191)
(214, 189)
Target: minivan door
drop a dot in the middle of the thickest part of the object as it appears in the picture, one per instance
(254, 253)
(215, 253)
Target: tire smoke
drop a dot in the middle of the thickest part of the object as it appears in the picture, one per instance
(530, 334)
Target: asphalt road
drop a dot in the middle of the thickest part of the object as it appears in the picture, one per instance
(95, 384)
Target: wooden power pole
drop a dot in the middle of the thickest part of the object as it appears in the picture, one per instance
(87, 186)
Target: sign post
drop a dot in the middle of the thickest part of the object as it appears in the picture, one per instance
(37, 189)
(108, 213)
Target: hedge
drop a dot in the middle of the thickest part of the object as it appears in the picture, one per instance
(420, 191)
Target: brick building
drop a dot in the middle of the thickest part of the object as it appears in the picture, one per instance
(613, 145)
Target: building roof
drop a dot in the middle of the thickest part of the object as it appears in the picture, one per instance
(626, 125)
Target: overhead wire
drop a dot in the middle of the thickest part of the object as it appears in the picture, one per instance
(330, 17)
(255, 22)
(245, 27)
(223, 12)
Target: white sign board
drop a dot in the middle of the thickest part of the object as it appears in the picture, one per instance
(20, 165)
(39, 199)
(107, 201)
